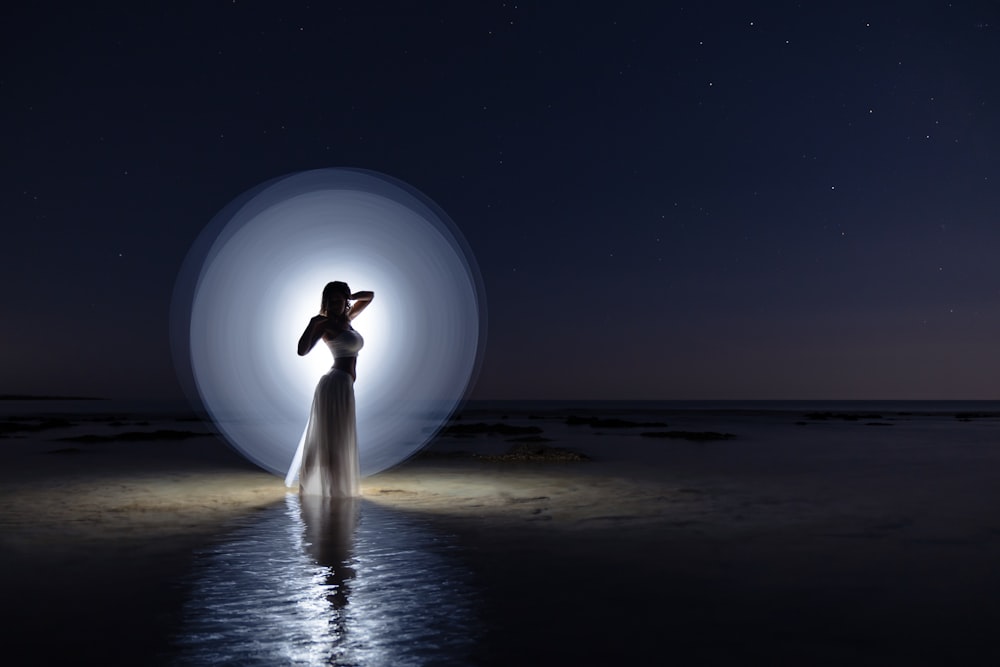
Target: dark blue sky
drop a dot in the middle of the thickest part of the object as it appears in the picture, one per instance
(728, 201)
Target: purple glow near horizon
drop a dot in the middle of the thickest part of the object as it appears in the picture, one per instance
(253, 279)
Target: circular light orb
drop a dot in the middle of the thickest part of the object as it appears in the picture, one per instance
(254, 277)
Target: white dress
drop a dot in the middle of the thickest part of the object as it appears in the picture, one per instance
(330, 444)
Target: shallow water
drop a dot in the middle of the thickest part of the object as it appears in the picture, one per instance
(329, 582)
(802, 540)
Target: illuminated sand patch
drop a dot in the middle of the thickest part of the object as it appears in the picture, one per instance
(122, 507)
(153, 507)
(553, 494)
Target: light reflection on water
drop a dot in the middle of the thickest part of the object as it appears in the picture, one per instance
(329, 582)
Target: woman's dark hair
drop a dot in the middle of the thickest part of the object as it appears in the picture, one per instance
(336, 288)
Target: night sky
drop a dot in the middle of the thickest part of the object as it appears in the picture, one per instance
(702, 200)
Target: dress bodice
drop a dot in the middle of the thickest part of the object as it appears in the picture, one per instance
(346, 344)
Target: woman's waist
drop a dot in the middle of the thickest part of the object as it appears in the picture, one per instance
(345, 364)
(340, 369)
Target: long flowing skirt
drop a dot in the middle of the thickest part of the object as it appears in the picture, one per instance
(330, 450)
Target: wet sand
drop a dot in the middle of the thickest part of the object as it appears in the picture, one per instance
(730, 553)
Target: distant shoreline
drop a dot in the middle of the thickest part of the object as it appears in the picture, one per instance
(33, 397)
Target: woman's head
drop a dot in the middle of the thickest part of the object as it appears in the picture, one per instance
(335, 298)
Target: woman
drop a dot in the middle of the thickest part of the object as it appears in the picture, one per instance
(330, 444)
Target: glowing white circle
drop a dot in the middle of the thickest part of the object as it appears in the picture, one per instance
(254, 277)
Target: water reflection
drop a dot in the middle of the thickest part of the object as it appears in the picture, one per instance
(329, 538)
(329, 582)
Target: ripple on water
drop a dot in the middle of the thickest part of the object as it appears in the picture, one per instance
(329, 582)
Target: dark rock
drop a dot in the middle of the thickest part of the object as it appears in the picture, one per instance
(698, 436)
(534, 452)
(432, 454)
(844, 416)
(598, 422)
(490, 429)
(16, 424)
(162, 434)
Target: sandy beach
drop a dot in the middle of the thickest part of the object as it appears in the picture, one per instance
(796, 541)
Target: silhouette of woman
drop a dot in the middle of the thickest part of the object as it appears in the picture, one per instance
(330, 443)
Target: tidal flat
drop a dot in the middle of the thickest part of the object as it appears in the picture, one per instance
(810, 536)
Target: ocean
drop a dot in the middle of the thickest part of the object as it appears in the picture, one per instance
(707, 532)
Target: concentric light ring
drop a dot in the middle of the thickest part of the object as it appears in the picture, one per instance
(253, 278)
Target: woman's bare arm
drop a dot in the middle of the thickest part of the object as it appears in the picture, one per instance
(361, 301)
(314, 331)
